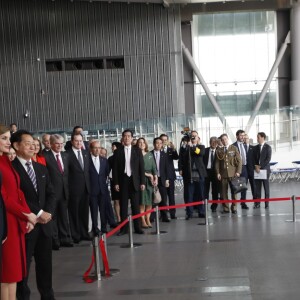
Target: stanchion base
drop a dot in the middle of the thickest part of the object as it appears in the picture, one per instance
(291, 221)
(135, 245)
(92, 278)
(160, 232)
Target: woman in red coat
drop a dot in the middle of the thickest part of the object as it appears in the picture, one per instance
(19, 221)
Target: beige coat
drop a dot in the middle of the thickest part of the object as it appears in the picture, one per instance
(229, 163)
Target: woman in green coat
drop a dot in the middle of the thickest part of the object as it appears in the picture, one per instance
(151, 181)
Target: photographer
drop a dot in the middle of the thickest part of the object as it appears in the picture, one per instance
(192, 169)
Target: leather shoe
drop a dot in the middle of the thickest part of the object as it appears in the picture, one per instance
(266, 205)
(173, 217)
(166, 220)
(213, 210)
(234, 212)
(139, 231)
(256, 205)
(66, 244)
(55, 245)
(76, 241)
(188, 217)
(245, 206)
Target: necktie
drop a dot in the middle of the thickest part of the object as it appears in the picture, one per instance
(225, 149)
(212, 157)
(59, 164)
(80, 160)
(127, 162)
(31, 175)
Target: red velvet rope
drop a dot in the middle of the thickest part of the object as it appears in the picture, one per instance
(86, 277)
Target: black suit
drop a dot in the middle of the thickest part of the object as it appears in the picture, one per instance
(211, 179)
(99, 195)
(163, 176)
(68, 145)
(39, 240)
(79, 187)
(262, 157)
(171, 156)
(3, 225)
(250, 168)
(61, 225)
(129, 186)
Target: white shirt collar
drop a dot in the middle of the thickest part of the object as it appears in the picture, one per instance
(23, 161)
(55, 153)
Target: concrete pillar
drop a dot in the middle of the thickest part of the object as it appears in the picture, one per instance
(295, 50)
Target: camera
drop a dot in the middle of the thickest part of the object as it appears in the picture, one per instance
(187, 135)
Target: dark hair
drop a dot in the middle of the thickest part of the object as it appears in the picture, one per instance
(17, 136)
(13, 124)
(76, 127)
(40, 153)
(116, 144)
(222, 135)
(74, 134)
(155, 139)
(239, 132)
(127, 130)
(162, 135)
(262, 134)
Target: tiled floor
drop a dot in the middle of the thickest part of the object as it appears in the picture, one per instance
(252, 255)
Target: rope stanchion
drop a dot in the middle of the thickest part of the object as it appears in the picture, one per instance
(293, 198)
(157, 231)
(130, 235)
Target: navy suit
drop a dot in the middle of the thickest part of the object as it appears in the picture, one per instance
(250, 168)
(263, 158)
(39, 240)
(163, 176)
(99, 195)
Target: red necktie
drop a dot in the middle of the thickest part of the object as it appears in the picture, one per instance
(59, 164)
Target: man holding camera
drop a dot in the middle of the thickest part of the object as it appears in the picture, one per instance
(192, 169)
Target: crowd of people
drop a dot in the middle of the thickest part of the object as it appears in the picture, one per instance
(49, 189)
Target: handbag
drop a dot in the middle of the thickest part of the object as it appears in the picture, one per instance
(156, 198)
(238, 184)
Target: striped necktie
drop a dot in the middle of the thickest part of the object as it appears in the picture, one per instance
(31, 174)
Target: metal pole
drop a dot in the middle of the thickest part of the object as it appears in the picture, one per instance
(268, 82)
(291, 127)
(206, 212)
(157, 220)
(130, 231)
(294, 211)
(97, 257)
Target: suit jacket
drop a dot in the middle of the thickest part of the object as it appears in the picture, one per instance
(263, 157)
(136, 163)
(206, 158)
(229, 163)
(59, 181)
(237, 146)
(68, 145)
(44, 198)
(188, 157)
(99, 181)
(163, 166)
(171, 156)
(250, 159)
(3, 225)
(78, 179)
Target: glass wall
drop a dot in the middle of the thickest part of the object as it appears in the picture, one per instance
(235, 52)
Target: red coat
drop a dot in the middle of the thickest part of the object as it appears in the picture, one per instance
(13, 250)
(41, 160)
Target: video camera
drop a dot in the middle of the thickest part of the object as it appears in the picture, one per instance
(187, 135)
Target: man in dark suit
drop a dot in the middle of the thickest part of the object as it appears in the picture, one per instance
(262, 158)
(240, 135)
(193, 171)
(211, 180)
(40, 197)
(77, 130)
(129, 178)
(169, 149)
(58, 167)
(250, 165)
(99, 193)
(162, 166)
(79, 187)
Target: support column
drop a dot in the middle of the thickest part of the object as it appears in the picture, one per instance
(295, 57)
